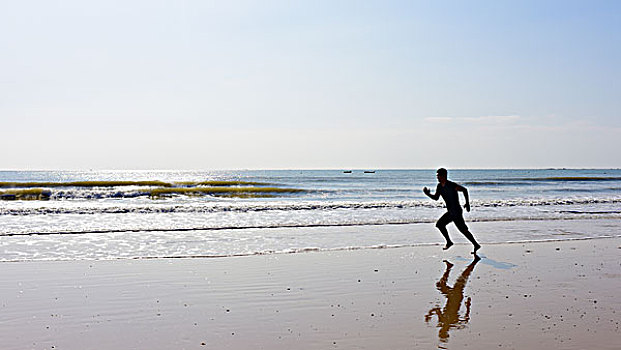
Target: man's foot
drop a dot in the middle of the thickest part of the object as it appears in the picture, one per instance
(447, 246)
(476, 247)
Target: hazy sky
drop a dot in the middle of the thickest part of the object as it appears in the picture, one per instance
(309, 84)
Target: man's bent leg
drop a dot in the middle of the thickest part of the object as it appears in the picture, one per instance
(441, 225)
(463, 228)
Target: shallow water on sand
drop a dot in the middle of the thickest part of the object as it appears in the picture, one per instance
(126, 214)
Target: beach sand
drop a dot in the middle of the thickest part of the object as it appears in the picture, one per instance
(546, 295)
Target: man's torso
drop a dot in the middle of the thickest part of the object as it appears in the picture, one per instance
(450, 196)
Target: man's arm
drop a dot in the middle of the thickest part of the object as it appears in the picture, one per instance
(434, 196)
(465, 191)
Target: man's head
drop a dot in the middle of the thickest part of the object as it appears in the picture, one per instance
(442, 174)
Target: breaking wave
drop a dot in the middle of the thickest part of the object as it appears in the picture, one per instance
(284, 226)
(295, 206)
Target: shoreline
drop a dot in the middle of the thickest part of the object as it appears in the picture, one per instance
(250, 242)
(518, 296)
(316, 250)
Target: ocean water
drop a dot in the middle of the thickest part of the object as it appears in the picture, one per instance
(51, 215)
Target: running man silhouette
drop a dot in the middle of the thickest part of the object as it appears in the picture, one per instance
(449, 192)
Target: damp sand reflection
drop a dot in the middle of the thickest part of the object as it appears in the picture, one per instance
(449, 317)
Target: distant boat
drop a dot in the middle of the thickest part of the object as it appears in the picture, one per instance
(369, 171)
(347, 172)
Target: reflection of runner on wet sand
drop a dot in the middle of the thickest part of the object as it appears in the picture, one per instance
(449, 317)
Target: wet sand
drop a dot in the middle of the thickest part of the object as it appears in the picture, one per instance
(561, 295)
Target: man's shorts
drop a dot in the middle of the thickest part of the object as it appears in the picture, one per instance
(458, 219)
